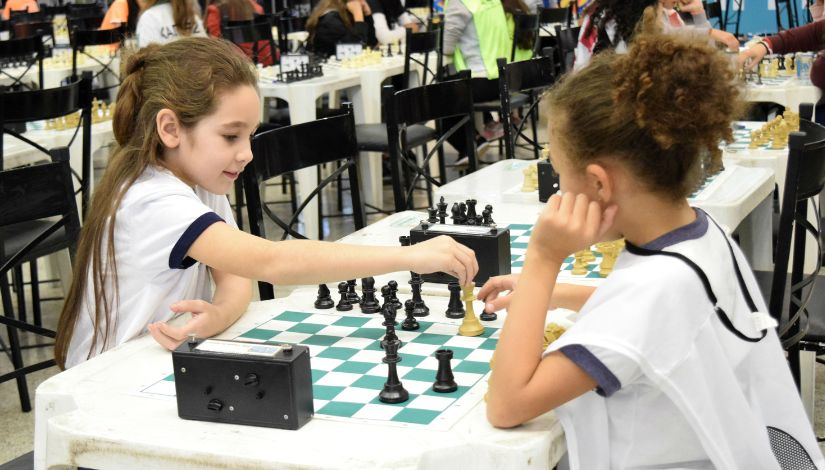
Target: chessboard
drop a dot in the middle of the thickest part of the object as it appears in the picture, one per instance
(770, 81)
(520, 237)
(742, 141)
(348, 373)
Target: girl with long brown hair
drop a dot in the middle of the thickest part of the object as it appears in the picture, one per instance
(160, 231)
(334, 22)
(162, 21)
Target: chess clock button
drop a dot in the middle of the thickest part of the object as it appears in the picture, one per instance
(215, 405)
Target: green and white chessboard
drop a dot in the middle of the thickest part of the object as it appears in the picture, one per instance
(520, 236)
(742, 142)
(775, 81)
(347, 372)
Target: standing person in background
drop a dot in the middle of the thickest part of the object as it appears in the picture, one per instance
(391, 20)
(334, 22)
(163, 21)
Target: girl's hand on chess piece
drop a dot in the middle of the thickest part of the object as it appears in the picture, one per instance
(444, 254)
(204, 323)
(569, 223)
(750, 57)
(491, 290)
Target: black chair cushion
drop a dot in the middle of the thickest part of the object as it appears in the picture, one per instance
(517, 100)
(373, 137)
(17, 236)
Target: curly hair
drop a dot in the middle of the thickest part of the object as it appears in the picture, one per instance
(626, 14)
(660, 109)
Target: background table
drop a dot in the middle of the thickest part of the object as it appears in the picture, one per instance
(787, 91)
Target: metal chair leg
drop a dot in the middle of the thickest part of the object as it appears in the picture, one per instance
(807, 381)
(14, 346)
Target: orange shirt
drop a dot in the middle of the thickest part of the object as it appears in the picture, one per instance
(117, 14)
(17, 5)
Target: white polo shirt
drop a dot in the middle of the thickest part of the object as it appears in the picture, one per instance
(158, 220)
(157, 25)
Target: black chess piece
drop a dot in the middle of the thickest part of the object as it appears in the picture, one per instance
(462, 211)
(352, 295)
(487, 215)
(393, 294)
(389, 50)
(386, 294)
(442, 211)
(419, 308)
(444, 379)
(455, 307)
(471, 208)
(393, 391)
(404, 240)
(324, 299)
(343, 304)
(487, 316)
(410, 323)
(369, 304)
(431, 215)
(456, 214)
(389, 323)
(408, 307)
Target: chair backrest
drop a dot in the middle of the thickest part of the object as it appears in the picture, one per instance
(523, 24)
(53, 10)
(80, 38)
(567, 40)
(87, 22)
(452, 98)
(15, 49)
(527, 76)
(80, 10)
(553, 16)
(25, 16)
(252, 33)
(426, 43)
(27, 106)
(43, 29)
(289, 24)
(292, 148)
(805, 178)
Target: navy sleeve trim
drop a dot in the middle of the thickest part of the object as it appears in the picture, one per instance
(178, 258)
(582, 357)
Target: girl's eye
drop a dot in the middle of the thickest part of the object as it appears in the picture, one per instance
(230, 138)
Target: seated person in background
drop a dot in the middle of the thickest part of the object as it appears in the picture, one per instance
(121, 12)
(237, 10)
(30, 6)
(163, 21)
(672, 362)
(611, 24)
(334, 22)
(807, 38)
(390, 18)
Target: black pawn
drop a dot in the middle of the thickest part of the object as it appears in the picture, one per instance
(408, 306)
(352, 295)
(487, 316)
(393, 391)
(369, 304)
(410, 323)
(324, 299)
(442, 211)
(455, 308)
(431, 216)
(386, 294)
(343, 304)
(420, 309)
(393, 294)
(444, 380)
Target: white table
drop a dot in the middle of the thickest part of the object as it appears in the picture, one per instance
(91, 416)
(739, 197)
(787, 91)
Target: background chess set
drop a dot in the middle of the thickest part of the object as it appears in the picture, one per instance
(347, 368)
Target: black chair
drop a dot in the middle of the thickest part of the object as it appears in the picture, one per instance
(802, 328)
(42, 29)
(373, 137)
(292, 148)
(38, 216)
(553, 16)
(81, 38)
(82, 10)
(86, 22)
(713, 11)
(524, 23)
(25, 52)
(405, 108)
(252, 32)
(289, 24)
(567, 39)
(528, 77)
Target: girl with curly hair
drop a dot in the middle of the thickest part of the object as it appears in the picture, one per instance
(611, 24)
(671, 363)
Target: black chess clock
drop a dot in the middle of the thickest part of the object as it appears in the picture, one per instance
(244, 383)
(490, 243)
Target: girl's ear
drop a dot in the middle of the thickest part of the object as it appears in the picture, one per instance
(600, 182)
(169, 128)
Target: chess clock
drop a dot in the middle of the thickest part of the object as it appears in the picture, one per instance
(244, 383)
(491, 245)
(548, 180)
